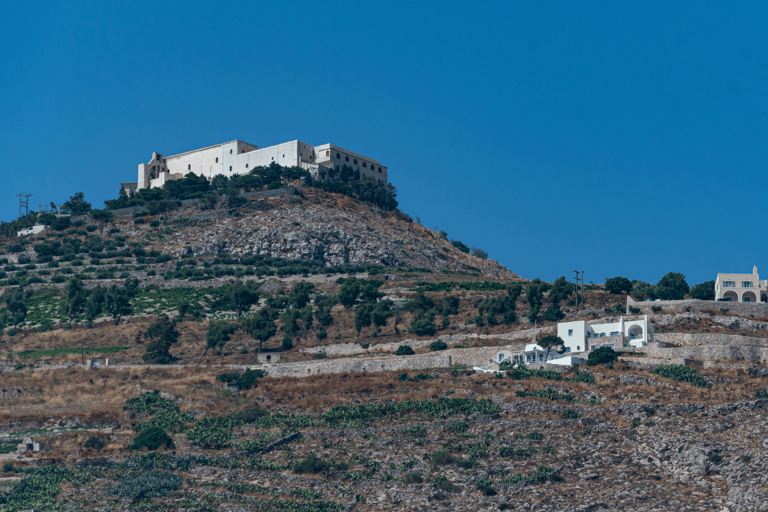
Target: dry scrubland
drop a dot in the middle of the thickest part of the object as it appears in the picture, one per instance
(612, 438)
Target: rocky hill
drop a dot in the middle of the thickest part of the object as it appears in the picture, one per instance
(315, 225)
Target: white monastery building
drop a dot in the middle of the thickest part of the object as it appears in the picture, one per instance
(741, 287)
(238, 157)
(580, 336)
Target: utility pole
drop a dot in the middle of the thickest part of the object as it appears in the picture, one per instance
(23, 203)
(576, 281)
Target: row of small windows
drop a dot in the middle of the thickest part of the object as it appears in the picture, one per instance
(346, 158)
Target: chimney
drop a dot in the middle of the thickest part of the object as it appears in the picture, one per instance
(754, 270)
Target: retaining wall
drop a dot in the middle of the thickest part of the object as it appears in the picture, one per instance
(695, 340)
(679, 306)
(715, 352)
(443, 359)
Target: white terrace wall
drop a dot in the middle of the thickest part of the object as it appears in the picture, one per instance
(679, 306)
(696, 340)
(444, 359)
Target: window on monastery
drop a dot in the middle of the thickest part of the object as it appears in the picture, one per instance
(570, 332)
(217, 159)
(729, 284)
(346, 158)
(746, 284)
(363, 164)
(230, 151)
(230, 168)
(189, 167)
(327, 153)
(355, 161)
(338, 155)
(379, 169)
(246, 166)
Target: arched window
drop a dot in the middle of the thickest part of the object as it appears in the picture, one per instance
(230, 168)
(355, 161)
(379, 169)
(364, 164)
(346, 158)
(327, 153)
(217, 159)
(230, 151)
(189, 167)
(246, 166)
(338, 155)
(242, 151)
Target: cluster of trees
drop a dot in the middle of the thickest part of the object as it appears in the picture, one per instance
(340, 180)
(672, 286)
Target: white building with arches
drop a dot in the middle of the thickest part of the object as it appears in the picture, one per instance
(581, 336)
(741, 287)
(238, 157)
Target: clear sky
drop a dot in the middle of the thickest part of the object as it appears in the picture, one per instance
(614, 139)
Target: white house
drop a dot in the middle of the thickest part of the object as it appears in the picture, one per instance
(741, 287)
(581, 336)
(37, 228)
(532, 354)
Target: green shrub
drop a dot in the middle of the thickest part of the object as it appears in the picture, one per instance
(91, 228)
(415, 432)
(152, 437)
(143, 485)
(94, 442)
(140, 220)
(681, 373)
(440, 458)
(634, 310)
(583, 377)
(570, 414)
(404, 350)
(312, 464)
(602, 355)
(437, 345)
(155, 223)
(320, 355)
(656, 309)
(413, 477)
(442, 483)
(321, 335)
(486, 487)
(287, 343)
(246, 380)
(533, 435)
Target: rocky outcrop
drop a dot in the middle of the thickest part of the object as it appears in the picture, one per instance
(329, 228)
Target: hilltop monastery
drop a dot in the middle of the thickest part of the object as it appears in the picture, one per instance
(238, 157)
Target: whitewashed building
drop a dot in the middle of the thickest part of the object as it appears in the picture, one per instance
(581, 336)
(237, 157)
(741, 287)
(532, 354)
(37, 228)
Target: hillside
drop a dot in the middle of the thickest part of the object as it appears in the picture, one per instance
(331, 229)
(368, 401)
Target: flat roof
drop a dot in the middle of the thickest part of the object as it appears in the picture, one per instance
(208, 147)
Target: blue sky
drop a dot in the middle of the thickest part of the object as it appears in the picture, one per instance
(614, 139)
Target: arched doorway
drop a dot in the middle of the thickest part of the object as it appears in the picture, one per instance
(763, 298)
(731, 295)
(748, 297)
(635, 332)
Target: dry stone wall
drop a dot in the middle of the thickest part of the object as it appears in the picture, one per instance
(681, 306)
(443, 359)
(694, 340)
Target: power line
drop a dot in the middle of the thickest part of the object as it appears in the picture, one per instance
(576, 281)
(23, 203)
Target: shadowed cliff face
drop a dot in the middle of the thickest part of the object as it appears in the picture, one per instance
(325, 227)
